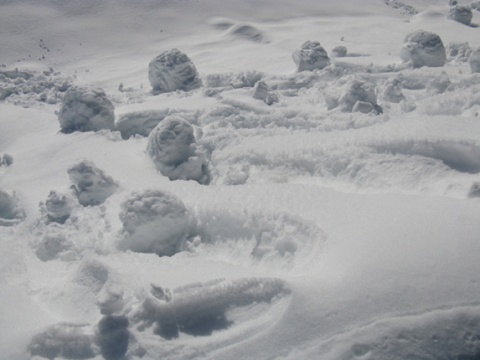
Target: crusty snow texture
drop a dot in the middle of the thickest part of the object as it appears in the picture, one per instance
(172, 147)
(423, 48)
(461, 14)
(474, 61)
(154, 222)
(173, 70)
(90, 183)
(311, 56)
(86, 109)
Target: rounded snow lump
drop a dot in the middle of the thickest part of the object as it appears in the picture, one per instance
(311, 56)
(172, 147)
(423, 48)
(153, 221)
(86, 109)
(461, 14)
(474, 60)
(173, 70)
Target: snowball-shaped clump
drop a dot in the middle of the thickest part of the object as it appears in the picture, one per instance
(339, 51)
(474, 60)
(154, 222)
(423, 48)
(172, 147)
(86, 109)
(347, 95)
(311, 56)
(173, 70)
(10, 212)
(91, 185)
(461, 14)
(59, 206)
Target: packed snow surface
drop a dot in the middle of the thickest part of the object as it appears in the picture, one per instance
(175, 185)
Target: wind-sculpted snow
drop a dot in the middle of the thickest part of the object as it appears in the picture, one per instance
(173, 149)
(432, 335)
(201, 309)
(154, 222)
(86, 109)
(173, 70)
(423, 48)
(91, 185)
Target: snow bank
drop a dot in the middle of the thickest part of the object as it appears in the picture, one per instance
(92, 186)
(474, 60)
(200, 309)
(10, 211)
(461, 14)
(423, 48)
(86, 109)
(311, 56)
(172, 147)
(154, 222)
(173, 70)
(352, 95)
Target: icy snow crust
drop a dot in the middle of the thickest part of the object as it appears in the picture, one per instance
(239, 208)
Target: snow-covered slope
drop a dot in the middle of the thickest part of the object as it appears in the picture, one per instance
(265, 213)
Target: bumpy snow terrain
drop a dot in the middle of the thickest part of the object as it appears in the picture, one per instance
(222, 179)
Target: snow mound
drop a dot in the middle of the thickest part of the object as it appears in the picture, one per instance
(339, 51)
(311, 56)
(423, 48)
(201, 309)
(139, 122)
(458, 52)
(70, 341)
(247, 32)
(10, 211)
(59, 206)
(439, 334)
(154, 222)
(173, 70)
(91, 185)
(461, 14)
(86, 109)
(474, 61)
(173, 149)
(346, 93)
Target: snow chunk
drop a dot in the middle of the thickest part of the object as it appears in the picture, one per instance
(200, 309)
(461, 14)
(10, 211)
(86, 109)
(92, 185)
(474, 61)
(6, 160)
(311, 56)
(392, 91)
(262, 92)
(172, 147)
(475, 4)
(339, 51)
(113, 336)
(173, 70)
(139, 122)
(154, 222)
(63, 340)
(55, 245)
(423, 48)
(59, 206)
(347, 93)
(474, 190)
